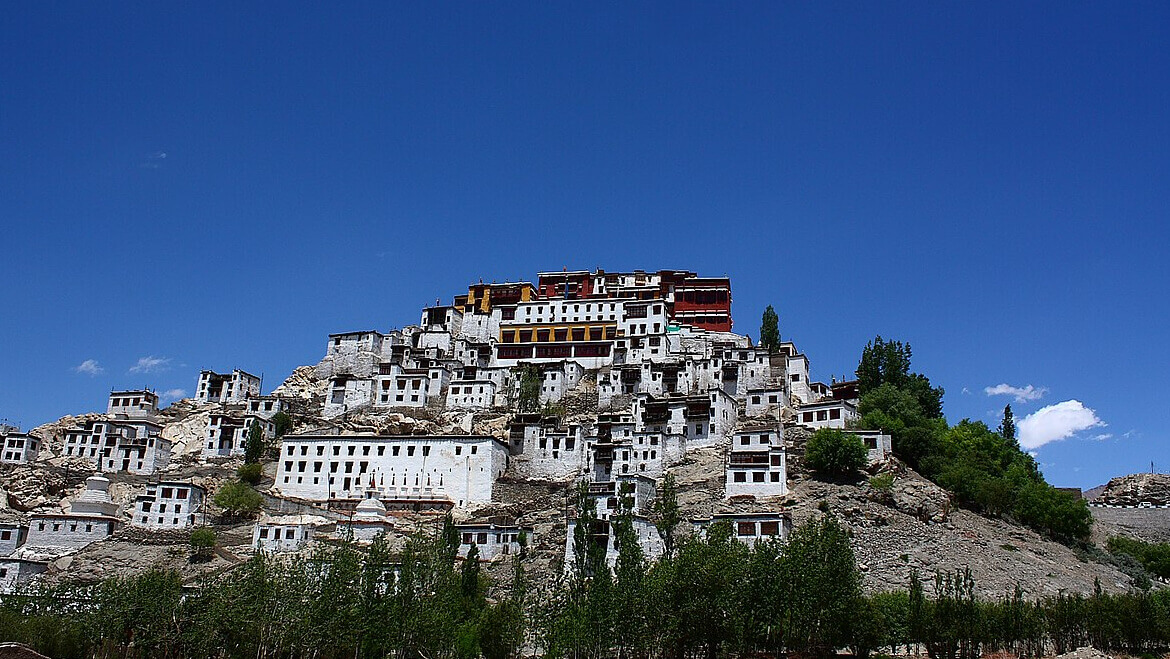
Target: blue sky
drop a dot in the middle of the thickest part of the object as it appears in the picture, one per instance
(206, 185)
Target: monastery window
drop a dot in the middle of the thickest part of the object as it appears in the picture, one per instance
(333, 467)
(301, 465)
(541, 335)
(395, 450)
(834, 414)
(795, 377)
(745, 529)
(336, 450)
(758, 477)
(263, 533)
(755, 400)
(773, 399)
(410, 450)
(473, 449)
(288, 465)
(458, 450)
(320, 450)
(350, 449)
(316, 467)
(769, 528)
(348, 468)
(775, 477)
(739, 477)
(822, 415)
(745, 440)
(289, 534)
(806, 416)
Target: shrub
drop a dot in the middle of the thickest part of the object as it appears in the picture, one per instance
(283, 423)
(202, 541)
(250, 473)
(832, 452)
(238, 499)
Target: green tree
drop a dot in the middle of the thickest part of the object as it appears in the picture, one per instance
(883, 362)
(1007, 429)
(665, 512)
(832, 452)
(250, 473)
(770, 331)
(254, 445)
(283, 423)
(238, 499)
(202, 541)
(529, 400)
(822, 585)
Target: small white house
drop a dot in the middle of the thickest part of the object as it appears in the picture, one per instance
(828, 414)
(492, 540)
(749, 528)
(134, 404)
(12, 536)
(756, 464)
(285, 533)
(602, 533)
(92, 516)
(17, 571)
(228, 388)
(266, 407)
(471, 394)
(878, 444)
(18, 447)
(168, 505)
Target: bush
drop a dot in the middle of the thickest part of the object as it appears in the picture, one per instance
(832, 452)
(250, 473)
(202, 541)
(238, 499)
(283, 423)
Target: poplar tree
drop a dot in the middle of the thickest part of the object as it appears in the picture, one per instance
(770, 331)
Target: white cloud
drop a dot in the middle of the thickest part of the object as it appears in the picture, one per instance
(90, 367)
(174, 394)
(1055, 422)
(150, 364)
(966, 391)
(1103, 436)
(1021, 394)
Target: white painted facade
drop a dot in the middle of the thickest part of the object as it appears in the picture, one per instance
(648, 539)
(471, 395)
(492, 540)
(92, 516)
(133, 404)
(828, 414)
(168, 505)
(284, 534)
(749, 528)
(462, 468)
(18, 447)
(15, 572)
(12, 536)
(227, 388)
(756, 464)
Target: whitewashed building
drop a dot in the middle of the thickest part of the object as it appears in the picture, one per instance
(878, 444)
(92, 516)
(12, 536)
(471, 395)
(227, 388)
(14, 572)
(285, 533)
(133, 404)
(18, 447)
(168, 505)
(828, 413)
(492, 540)
(603, 534)
(756, 464)
(266, 407)
(463, 468)
(749, 528)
